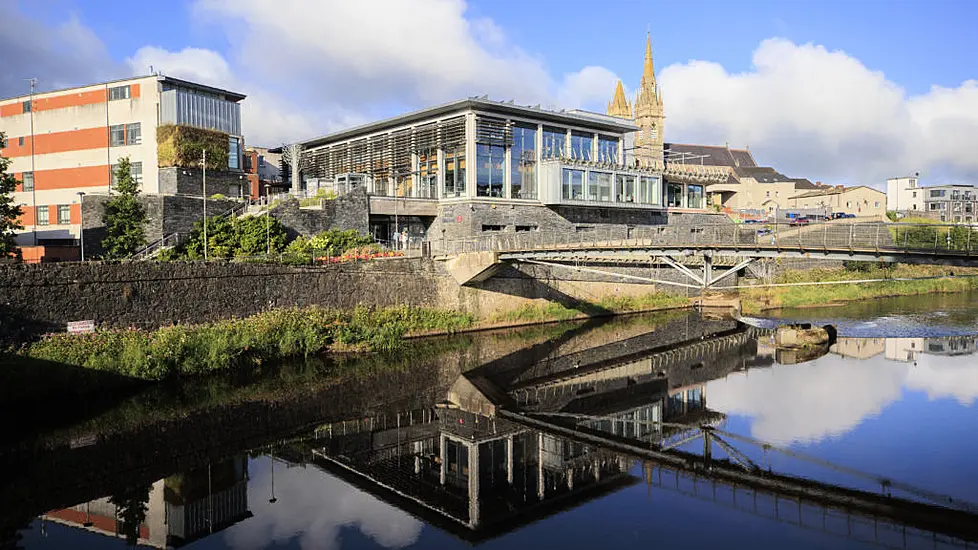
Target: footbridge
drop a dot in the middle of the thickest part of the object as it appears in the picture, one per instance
(699, 251)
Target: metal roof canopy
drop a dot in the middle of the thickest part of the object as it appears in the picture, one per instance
(474, 104)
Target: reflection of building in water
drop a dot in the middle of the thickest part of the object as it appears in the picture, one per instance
(908, 349)
(472, 475)
(177, 510)
(903, 349)
(858, 348)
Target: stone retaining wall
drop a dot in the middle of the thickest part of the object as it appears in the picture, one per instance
(44, 297)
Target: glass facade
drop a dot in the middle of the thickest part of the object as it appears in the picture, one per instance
(64, 214)
(200, 110)
(674, 195)
(572, 185)
(554, 142)
(694, 196)
(234, 153)
(428, 174)
(625, 188)
(581, 145)
(607, 150)
(599, 186)
(489, 170)
(28, 181)
(42, 215)
(454, 173)
(523, 163)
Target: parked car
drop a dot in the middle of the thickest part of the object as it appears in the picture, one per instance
(798, 222)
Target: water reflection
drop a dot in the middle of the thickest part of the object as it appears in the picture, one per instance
(508, 432)
(831, 395)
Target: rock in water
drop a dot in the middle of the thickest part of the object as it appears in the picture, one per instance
(800, 336)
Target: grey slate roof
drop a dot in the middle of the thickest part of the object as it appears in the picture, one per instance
(762, 174)
(717, 155)
(803, 183)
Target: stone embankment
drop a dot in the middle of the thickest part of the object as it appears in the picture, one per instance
(45, 297)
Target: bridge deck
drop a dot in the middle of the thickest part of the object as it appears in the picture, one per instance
(889, 242)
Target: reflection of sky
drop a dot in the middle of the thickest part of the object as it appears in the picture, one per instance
(829, 396)
(315, 510)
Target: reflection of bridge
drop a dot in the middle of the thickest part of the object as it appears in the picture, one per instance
(569, 428)
(474, 259)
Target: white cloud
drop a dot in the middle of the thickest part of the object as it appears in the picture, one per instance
(268, 118)
(830, 396)
(811, 112)
(313, 507)
(331, 66)
(58, 55)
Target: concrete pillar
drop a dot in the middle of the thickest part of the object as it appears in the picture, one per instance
(540, 487)
(443, 451)
(441, 174)
(707, 446)
(707, 269)
(414, 180)
(473, 484)
(570, 479)
(509, 460)
(470, 164)
(597, 470)
(417, 464)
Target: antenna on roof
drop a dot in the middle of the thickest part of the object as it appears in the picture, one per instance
(537, 106)
(485, 96)
(151, 70)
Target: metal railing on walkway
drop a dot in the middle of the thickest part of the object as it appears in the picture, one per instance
(865, 237)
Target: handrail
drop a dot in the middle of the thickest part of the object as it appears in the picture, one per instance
(872, 237)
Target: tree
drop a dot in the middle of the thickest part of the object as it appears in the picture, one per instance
(241, 237)
(124, 217)
(9, 210)
(132, 503)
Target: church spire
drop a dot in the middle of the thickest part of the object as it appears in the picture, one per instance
(648, 75)
(619, 106)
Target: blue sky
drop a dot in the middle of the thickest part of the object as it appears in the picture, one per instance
(832, 90)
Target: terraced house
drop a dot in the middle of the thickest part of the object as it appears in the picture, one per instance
(64, 145)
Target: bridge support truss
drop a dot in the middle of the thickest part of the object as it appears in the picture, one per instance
(704, 280)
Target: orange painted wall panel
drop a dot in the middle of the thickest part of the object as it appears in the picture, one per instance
(134, 91)
(75, 213)
(59, 142)
(70, 99)
(67, 178)
(15, 149)
(12, 109)
(26, 216)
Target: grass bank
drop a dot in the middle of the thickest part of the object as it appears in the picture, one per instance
(188, 350)
(553, 311)
(756, 300)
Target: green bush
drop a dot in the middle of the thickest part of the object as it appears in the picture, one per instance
(333, 242)
(235, 237)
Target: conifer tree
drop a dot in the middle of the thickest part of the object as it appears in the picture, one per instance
(123, 216)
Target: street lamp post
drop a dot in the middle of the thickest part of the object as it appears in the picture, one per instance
(81, 222)
(268, 227)
(203, 163)
(33, 82)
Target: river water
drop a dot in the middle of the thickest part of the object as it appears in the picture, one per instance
(670, 430)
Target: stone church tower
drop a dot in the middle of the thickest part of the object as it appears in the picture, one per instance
(648, 114)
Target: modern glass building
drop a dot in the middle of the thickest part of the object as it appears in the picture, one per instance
(488, 154)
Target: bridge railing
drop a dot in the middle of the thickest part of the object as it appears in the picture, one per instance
(830, 236)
